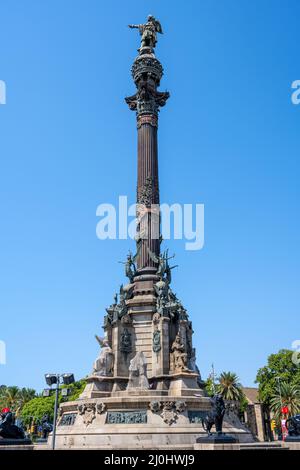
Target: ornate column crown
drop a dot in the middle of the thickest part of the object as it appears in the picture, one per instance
(147, 72)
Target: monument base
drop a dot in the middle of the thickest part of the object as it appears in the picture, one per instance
(138, 420)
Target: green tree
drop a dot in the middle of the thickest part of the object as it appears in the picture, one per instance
(279, 365)
(288, 395)
(26, 394)
(209, 387)
(36, 408)
(76, 389)
(229, 386)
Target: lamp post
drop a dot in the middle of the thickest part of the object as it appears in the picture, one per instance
(213, 377)
(279, 388)
(56, 379)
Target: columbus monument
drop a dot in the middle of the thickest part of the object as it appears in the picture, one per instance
(145, 389)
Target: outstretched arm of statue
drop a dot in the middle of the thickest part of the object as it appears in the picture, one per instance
(137, 26)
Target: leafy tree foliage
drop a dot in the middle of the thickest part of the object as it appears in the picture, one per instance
(209, 387)
(75, 390)
(35, 409)
(279, 365)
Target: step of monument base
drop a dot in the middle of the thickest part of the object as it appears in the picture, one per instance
(239, 446)
(291, 445)
(14, 442)
(17, 447)
(156, 438)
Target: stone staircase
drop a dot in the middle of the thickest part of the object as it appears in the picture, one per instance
(262, 446)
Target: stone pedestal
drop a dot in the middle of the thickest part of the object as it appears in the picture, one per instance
(217, 438)
(184, 383)
(151, 419)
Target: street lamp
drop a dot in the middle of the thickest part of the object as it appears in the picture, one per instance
(56, 379)
(213, 377)
(51, 379)
(65, 392)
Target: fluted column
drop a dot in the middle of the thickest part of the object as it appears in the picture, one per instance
(147, 72)
(147, 193)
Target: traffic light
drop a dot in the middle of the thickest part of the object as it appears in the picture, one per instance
(273, 424)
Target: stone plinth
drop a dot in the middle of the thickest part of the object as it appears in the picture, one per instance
(184, 384)
(17, 447)
(218, 441)
(139, 420)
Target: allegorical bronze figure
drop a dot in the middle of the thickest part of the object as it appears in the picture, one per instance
(130, 267)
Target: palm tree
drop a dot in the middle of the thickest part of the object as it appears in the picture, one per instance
(15, 397)
(10, 397)
(2, 393)
(26, 394)
(229, 386)
(288, 395)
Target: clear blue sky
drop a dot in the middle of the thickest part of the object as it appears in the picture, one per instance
(228, 138)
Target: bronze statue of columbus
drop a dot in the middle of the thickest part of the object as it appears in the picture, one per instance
(148, 31)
